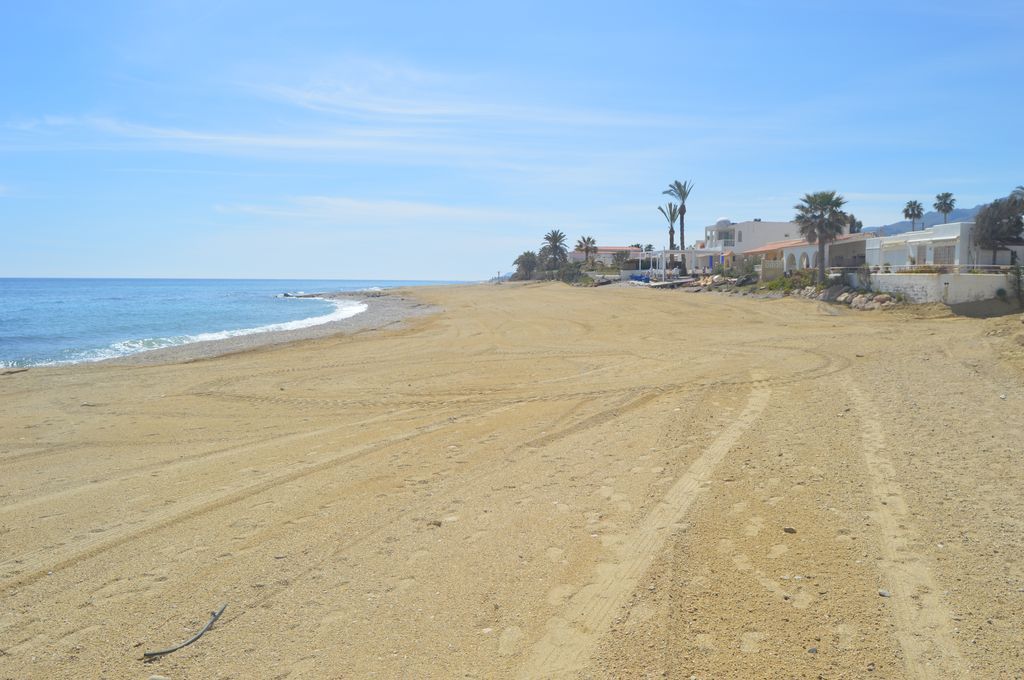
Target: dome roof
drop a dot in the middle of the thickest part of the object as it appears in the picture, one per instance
(723, 222)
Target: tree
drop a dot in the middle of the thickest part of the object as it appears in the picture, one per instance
(586, 245)
(649, 248)
(553, 254)
(680, 191)
(944, 203)
(999, 221)
(526, 265)
(913, 211)
(821, 219)
(671, 213)
(853, 225)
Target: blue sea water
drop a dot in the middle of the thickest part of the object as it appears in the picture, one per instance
(56, 321)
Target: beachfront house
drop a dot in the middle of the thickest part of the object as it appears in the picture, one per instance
(943, 244)
(773, 260)
(606, 254)
(726, 242)
(939, 264)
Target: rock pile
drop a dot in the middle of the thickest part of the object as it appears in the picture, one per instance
(845, 295)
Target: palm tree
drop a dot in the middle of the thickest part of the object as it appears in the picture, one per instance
(854, 225)
(821, 219)
(671, 213)
(913, 212)
(553, 253)
(525, 265)
(586, 245)
(680, 191)
(944, 203)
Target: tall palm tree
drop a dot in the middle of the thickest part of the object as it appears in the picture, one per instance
(671, 213)
(525, 265)
(553, 253)
(913, 211)
(944, 203)
(680, 191)
(821, 219)
(586, 245)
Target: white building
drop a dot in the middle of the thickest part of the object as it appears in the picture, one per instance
(606, 254)
(726, 240)
(942, 244)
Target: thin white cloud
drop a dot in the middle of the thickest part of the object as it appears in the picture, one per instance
(351, 142)
(368, 89)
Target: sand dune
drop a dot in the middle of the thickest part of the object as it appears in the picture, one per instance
(538, 481)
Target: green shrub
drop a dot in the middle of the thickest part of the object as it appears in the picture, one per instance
(795, 281)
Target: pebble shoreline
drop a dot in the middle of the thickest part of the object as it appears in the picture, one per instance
(384, 309)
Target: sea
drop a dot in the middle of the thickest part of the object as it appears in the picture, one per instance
(46, 322)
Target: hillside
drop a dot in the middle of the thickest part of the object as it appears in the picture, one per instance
(930, 219)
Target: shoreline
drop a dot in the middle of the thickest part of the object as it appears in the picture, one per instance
(455, 496)
(384, 308)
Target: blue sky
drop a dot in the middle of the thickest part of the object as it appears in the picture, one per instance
(440, 140)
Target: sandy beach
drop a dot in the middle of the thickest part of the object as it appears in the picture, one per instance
(528, 481)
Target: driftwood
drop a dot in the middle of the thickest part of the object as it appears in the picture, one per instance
(209, 624)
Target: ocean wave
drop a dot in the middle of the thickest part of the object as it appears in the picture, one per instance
(343, 309)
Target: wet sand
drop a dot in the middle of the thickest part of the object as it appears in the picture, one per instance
(384, 309)
(531, 481)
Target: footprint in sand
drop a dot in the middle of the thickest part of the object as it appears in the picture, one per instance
(739, 507)
(554, 554)
(705, 642)
(754, 526)
(559, 594)
(778, 551)
(750, 642)
(509, 642)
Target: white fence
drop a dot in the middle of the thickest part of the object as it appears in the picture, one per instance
(770, 269)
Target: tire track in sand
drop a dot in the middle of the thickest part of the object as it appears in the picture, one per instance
(924, 623)
(570, 637)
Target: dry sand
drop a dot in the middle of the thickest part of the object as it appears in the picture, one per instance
(537, 481)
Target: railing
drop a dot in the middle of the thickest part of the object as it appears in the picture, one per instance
(926, 269)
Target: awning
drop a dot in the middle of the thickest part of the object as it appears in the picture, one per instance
(929, 239)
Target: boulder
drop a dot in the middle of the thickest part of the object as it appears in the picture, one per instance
(842, 298)
(883, 297)
(833, 292)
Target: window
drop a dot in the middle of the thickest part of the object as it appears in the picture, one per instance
(944, 254)
(740, 237)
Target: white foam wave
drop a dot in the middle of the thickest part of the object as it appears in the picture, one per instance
(343, 309)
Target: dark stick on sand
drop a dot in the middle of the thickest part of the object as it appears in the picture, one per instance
(149, 656)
